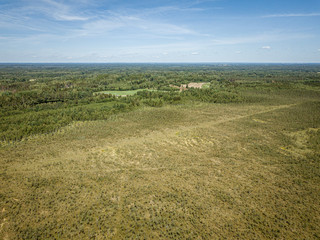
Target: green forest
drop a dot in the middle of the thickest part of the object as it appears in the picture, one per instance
(41, 98)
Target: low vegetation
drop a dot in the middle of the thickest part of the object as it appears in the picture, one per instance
(236, 160)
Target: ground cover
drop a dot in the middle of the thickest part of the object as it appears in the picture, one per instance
(199, 170)
(123, 93)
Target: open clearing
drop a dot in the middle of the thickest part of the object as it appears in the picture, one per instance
(192, 85)
(202, 171)
(123, 93)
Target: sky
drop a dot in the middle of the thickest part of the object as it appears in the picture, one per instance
(260, 31)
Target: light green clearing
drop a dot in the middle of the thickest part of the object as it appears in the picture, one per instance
(123, 93)
(207, 85)
(132, 92)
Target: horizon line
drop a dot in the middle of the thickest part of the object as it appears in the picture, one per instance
(159, 62)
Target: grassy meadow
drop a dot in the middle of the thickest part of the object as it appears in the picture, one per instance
(190, 170)
(121, 93)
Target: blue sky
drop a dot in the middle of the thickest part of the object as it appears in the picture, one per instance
(160, 31)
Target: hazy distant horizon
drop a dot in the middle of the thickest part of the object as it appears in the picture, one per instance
(164, 63)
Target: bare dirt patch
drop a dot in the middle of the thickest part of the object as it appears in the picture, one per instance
(184, 87)
(196, 85)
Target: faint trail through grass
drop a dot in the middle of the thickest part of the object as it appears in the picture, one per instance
(151, 138)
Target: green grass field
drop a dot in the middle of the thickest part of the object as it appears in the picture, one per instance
(189, 171)
(123, 93)
(207, 85)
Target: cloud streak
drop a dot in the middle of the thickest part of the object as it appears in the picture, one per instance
(292, 15)
(259, 38)
(133, 24)
(91, 23)
(66, 17)
(60, 11)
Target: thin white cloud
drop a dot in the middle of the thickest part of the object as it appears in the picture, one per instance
(164, 50)
(259, 38)
(59, 11)
(56, 4)
(292, 15)
(166, 9)
(197, 2)
(239, 40)
(64, 17)
(142, 25)
(195, 53)
(266, 47)
(166, 29)
(48, 10)
(17, 20)
(99, 27)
